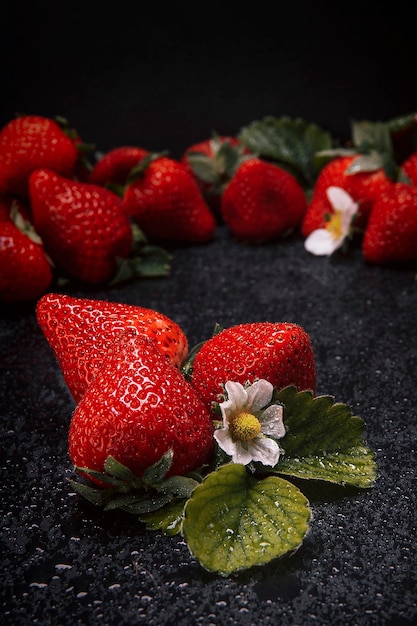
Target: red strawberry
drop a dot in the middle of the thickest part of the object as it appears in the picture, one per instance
(363, 186)
(410, 168)
(137, 408)
(115, 166)
(213, 163)
(28, 143)
(25, 271)
(166, 203)
(280, 352)
(80, 332)
(83, 226)
(262, 202)
(391, 233)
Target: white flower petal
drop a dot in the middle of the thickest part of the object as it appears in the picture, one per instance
(340, 199)
(234, 449)
(223, 438)
(241, 454)
(236, 394)
(271, 421)
(264, 450)
(259, 394)
(321, 242)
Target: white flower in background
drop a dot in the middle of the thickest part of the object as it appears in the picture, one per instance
(249, 431)
(326, 240)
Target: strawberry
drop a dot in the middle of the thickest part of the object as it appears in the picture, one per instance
(409, 166)
(138, 408)
(391, 233)
(166, 203)
(115, 165)
(262, 202)
(213, 163)
(80, 332)
(31, 142)
(83, 226)
(364, 187)
(25, 271)
(280, 352)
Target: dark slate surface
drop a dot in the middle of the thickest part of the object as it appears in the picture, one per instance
(65, 562)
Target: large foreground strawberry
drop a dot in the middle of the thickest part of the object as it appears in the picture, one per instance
(139, 407)
(280, 352)
(80, 332)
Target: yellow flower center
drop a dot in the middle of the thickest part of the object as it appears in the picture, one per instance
(245, 426)
(335, 225)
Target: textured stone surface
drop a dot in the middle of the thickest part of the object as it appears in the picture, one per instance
(66, 562)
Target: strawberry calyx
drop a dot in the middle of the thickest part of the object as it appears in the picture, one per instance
(217, 169)
(119, 488)
(145, 260)
(140, 168)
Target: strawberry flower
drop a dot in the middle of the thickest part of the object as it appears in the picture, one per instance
(249, 430)
(324, 241)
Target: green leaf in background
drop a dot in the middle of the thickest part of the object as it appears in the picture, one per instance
(323, 440)
(291, 143)
(233, 521)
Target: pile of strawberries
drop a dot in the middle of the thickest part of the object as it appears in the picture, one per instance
(62, 216)
(139, 392)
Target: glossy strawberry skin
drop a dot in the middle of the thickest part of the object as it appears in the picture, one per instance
(25, 272)
(115, 165)
(80, 331)
(363, 187)
(32, 142)
(262, 202)
(280, 352)
(138, 407)
(391, 233)
(83, 226)
(166, 203)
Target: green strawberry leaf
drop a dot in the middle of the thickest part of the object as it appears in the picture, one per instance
(356, 467)
(291, 143)
(167, 518)
(121, 472)
(156, 472)
(177, 486)
(98, 497)
(138, 505)
(323, 440)
(233, 521)
(204, 167)
(403, 131)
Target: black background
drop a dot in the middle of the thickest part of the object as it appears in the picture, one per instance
(164, 77)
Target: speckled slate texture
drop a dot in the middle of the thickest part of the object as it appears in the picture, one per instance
(65, 562)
